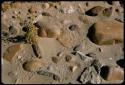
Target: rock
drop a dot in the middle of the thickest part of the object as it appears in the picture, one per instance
(45, 43)
(115, 74)
(46, 14)
(69, 38)
(42, 33)
(68, 9)
(77, 48)
(73, 68)
(90, 75)
(13, 31)
(45, 6)
(95, 11)
(34, 65)
(54, 59)
(53, 32)
(48, 29)
(68, 58)
(107, 12)
(49, 74)
(5, 6)
(11, 52)
(112, 73)
(36, 50)
(106, 32)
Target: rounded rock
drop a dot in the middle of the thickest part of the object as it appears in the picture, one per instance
(33, 65)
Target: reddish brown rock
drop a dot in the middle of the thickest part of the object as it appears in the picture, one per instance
(106, 32)
(11, 52)
(112, 73)
(115, 74)
(34, 65)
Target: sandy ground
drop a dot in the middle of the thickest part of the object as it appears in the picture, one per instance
(57, 50)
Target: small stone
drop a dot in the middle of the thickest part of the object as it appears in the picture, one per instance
(73, 68)
(68, 58)
(50, 31)
(69, 38)
(34, 65)
(54, 59)
(46, 6)
(73, 27)
(107, 12)
(46, 14)
(13, 31)
(11, 52)
(106, 32)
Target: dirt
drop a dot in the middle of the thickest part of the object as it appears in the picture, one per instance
(48, 43)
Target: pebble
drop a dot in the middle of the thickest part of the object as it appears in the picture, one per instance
(11, 52)
(107, 12)
(68, 58)
(13, 31)
(73, 68)
(34, 65)
(45, 6)
(55, 59)
(49, 74)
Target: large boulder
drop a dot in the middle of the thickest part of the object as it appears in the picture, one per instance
(106, 32)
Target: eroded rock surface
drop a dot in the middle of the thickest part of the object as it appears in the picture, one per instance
(62, 42)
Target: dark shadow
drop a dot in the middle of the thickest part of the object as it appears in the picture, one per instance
(91, 33)
(109, 2)
(17, 39)
(104, 72)
(89, 13)
(120, 63)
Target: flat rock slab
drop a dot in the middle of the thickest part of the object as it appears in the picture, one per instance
(49, 46)
(11, 52)
(107, 32)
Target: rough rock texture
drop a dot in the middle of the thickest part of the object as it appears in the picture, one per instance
(49, 42)
(107, 32)
(12, 52)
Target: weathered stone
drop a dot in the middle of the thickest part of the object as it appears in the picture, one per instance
(73, 68)
(69, 38)
(107, 12)
(112, 73)
(68, 58)
(36, 50)
(45, 5)
(48, 29)
(34, 65)
(115, 74)
(54, 59)
(49, 74)
(106, 32)
(11, 52)
(45, 43)
(90, 75)
(14, 30)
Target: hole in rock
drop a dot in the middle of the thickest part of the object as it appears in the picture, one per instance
(120, 63)
(104, 72)
(91, 34)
